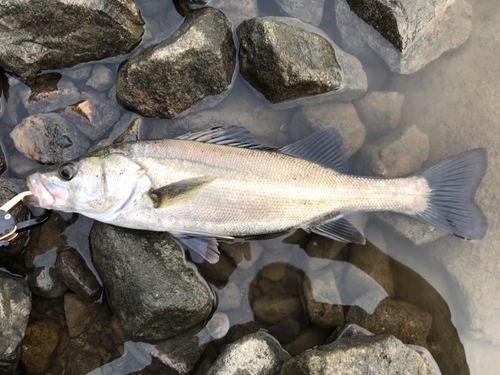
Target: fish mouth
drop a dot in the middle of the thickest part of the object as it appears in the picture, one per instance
(44, 193)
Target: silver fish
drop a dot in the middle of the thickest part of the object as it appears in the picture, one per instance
(220, 184)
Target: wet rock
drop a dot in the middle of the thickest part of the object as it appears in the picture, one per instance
(307, 11)
(20, 213)
(13, 109)
(258, 353)
(40, 344)
(274, 271)
(413, 229)
(48, 139)
(46, 282)
(397, 154)
(79, 316)
(372, 261)
(196, 62)
(79, 75)
(218, 325)
(237, 11)
(127, 129)
(401, 319)
(406, 35)
(341, 116)
(272, 309)
(15, 307)
(324, 248)
(310, 337)
(322, 299)
(177, 355)
(359, 355)
(48, 93)
(220, 271)
(237, 251)
(77, 275)
(380, 111)
(102, 78)
(272, 60)
(93, 117)
(347, 330)
(81, 361)
(149, 285)
(56, 34)
(285, 330)
(229, 297)
(3, 160)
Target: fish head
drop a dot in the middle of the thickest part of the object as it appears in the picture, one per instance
(95, 185)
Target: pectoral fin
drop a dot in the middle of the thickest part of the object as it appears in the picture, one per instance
(343, 229)
(180, 192)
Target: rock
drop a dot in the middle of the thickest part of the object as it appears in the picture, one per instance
(40, 344)
(149, 285)
(177, 355)
(56, 34)
(220, 271)
(229, 297)
(48, 93)
(274, 271)
(324, 247)
(285, 330)
(218, 326)
(235, 10)
(401, 319)
(322, 299)
(196, 62)
(341, 116)
(102, 78)
(46, 282)
(82, 361)
(307, 11)
(360, 355)
(380, 111)
(3, 160)
(48, 139)
(412, 229)
(21, 165)
(13, 108)
(93, 117)
(20, 213)
(272, 309)
(310, 337)
(407, 36)
(127, 129)
(77, 275)
(15, 308)
(397, 154)
(347, 330)
(369, 259)
(79, 316)
(79, 75)
(258, 353)
(237, 251)
(272, 60)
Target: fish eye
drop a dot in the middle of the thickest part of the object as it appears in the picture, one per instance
(67, 171)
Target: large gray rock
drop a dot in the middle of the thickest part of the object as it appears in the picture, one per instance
(48, 139)
(256, 354)
(126, 129)
(310, 11)
(339, 115)
(93, 117)
(41, 35)
(48, 93)
(370, 355)
(236, 10)
(284, 62)
(102, 78)
(15, 308)
(196, 62)
(149, 285)
(406, 34)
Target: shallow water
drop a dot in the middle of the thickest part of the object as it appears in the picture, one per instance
(455, 100)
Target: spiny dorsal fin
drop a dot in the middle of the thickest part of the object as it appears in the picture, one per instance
(180, 192)
(344, 229)
(234, 136)
(324, 147)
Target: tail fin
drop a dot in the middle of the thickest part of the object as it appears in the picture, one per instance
(451, 205)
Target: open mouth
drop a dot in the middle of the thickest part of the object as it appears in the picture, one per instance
(45, 194)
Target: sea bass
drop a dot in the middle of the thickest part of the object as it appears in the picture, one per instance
(220, 184)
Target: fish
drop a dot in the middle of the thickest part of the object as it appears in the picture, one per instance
(219, 184)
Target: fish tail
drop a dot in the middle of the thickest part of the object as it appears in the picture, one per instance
(451, 205)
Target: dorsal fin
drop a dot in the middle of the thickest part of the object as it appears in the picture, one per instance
(234, 136)
(344, 229)
(324, 147)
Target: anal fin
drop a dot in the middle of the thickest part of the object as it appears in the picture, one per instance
(343, 229)
(207, 247)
